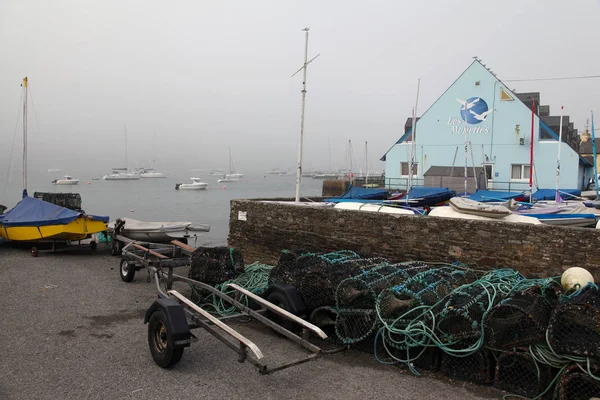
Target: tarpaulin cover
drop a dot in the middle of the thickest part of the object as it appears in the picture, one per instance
(562, 216)
(550, 194)
(495, 195)
(360, 194)
(36, 212)
(427, 196)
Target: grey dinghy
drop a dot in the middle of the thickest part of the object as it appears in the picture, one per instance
(157, 232)
(468, 206)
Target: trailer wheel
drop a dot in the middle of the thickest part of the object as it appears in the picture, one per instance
(126, 270)
(34, 251)
(160, 341)
(116, 248)
(280, 301)
(93, 245)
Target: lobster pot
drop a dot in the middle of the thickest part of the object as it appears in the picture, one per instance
(317, 284)
(477, 367)
(574, 328)
(286, 269)
(360, 291)
(521, 320)
(517, 373)
(356, 298)
(71, 201)
(575, 384)
(424, 288)
(215, 265)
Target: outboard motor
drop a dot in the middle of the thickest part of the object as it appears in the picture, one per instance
(177, 186)
(54, 181)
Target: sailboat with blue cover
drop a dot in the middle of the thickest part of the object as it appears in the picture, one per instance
(34, 219)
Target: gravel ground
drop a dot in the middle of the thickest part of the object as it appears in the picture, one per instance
(71, 329)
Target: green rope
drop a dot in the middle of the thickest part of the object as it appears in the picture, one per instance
(255, 279)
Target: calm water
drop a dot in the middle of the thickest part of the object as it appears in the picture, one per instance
(157, 199)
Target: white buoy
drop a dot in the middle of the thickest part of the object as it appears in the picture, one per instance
(575, 278)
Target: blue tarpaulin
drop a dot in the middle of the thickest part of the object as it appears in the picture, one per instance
(494, 195)
(427, 196)
(550, 194)
(360, 194)
(36, 212)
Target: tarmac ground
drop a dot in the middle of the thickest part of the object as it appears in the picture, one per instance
(71, 329)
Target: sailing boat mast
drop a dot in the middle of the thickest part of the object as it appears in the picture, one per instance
(557, 196)
(594, 151)
(230, 163)
(366, 172)
(413, 146)
(25, 137)
(126, 161)
(531, 151)
(300, 139)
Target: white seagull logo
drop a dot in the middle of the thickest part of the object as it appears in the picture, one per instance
(480, 117)
(465, 105)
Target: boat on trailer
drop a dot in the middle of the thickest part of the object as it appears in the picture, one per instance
(159, 232)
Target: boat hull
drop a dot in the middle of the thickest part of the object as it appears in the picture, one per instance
(70, 182)
(77, 229)
(121, 178)
(185, 186)
(153, 175)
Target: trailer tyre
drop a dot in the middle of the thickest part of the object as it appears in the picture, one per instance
(93, 245)
(126, 270)
(160, 341)
(116, 248)
(34, 251)
(280, 301)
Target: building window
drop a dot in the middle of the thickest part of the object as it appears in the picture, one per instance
(520, 171)
(404, 167)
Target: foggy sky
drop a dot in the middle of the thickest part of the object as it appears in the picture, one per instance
(205, 75)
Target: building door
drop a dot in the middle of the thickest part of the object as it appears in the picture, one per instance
(489, 174)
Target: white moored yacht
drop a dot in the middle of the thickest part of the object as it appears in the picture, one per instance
(67, 181)
(196, 184)
(121, 174)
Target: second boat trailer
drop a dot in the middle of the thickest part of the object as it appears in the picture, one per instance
(173, 316)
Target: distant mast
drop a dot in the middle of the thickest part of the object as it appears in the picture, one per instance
(25, 89)
(413, 146)
(303, 68)
(366, 172)
(531, 151)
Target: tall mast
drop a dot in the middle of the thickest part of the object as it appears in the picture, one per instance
(25, 137)
(300, 139)
(531, 151)
(594, 151)
(413, 145)
(299, 169)
(230, 165)
(557, 196)
(366, 172)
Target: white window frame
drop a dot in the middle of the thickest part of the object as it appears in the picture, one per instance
(416, 169)
(523, 166)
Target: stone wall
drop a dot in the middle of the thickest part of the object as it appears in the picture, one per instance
(535, 250)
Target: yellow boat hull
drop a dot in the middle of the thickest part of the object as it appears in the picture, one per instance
(78, 229)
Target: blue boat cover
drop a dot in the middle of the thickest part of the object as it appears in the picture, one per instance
(357, 193)
(494, 195)
(420, 196)
(550, 194)
(35, 212)
(561, 216)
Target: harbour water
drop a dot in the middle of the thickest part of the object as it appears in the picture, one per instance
(157, 199)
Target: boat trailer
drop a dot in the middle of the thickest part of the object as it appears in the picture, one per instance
(172, 317)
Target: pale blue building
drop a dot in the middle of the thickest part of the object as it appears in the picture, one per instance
(498, 135)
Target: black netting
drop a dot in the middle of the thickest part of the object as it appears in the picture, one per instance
(71, 201)
(521, 320)
(477, 367)
(356, 298)
(575, 384)
(518, 373)
(574, 327)
(214, 265)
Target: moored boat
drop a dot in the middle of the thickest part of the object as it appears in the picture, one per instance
(196, 184)
(67, 181)
(121, 174)
(370, 207)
